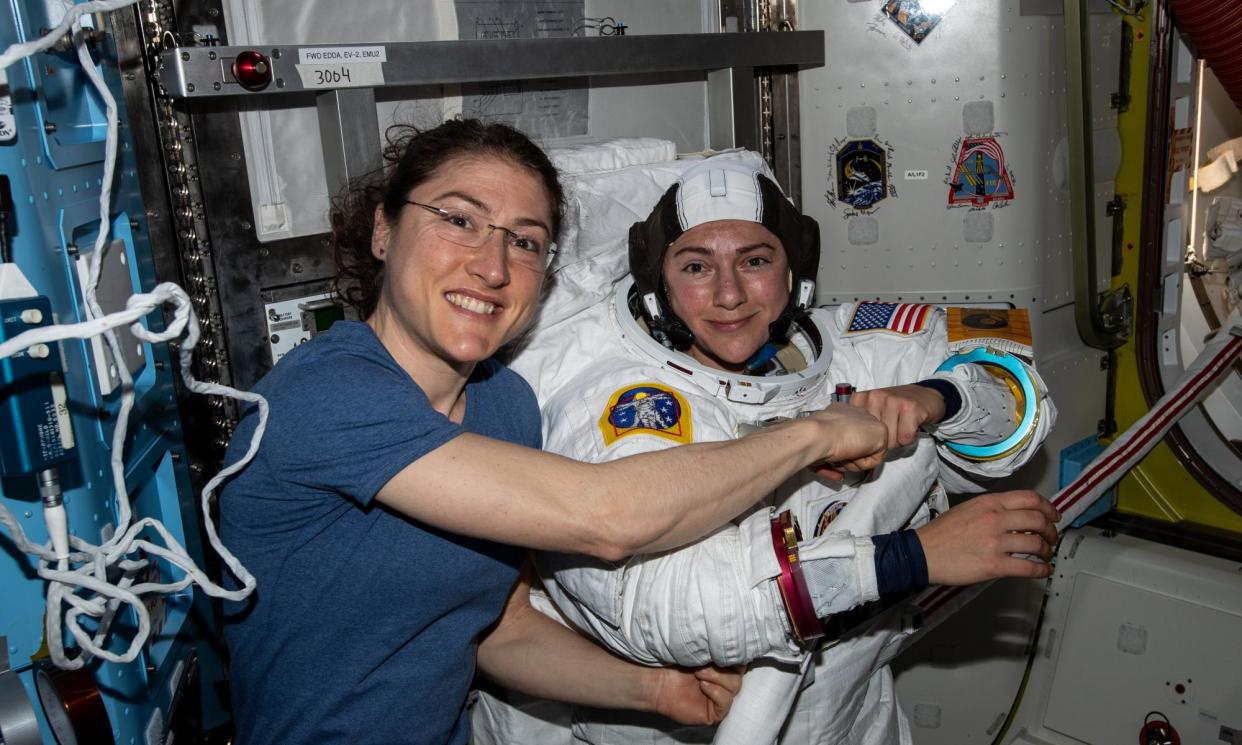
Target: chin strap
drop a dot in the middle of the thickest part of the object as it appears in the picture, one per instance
(799, 304)
(754, 365)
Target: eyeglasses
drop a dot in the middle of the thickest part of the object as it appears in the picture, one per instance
(468, 228)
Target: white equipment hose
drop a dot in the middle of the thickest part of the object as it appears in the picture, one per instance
(86, 566)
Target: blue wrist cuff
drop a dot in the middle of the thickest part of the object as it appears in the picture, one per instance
(949, 392)
(900, 564)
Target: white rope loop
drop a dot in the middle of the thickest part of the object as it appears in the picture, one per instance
(85, 570)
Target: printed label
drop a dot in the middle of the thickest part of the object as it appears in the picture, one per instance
(62, 412)
(8, 122)
(361, 75)
(341, 55)
(916, 175)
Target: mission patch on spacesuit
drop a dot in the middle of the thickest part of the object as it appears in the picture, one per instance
(647, 408)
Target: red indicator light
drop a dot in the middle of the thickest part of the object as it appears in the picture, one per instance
(252, 70)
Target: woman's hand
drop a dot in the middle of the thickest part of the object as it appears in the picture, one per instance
(696, 697)
(902, 408)
(977, 539)
(856, 441)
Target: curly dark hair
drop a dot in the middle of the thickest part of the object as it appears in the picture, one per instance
(411, 157)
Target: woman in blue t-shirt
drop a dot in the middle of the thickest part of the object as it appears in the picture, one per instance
(400, 472)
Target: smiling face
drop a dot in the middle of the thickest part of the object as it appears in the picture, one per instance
(727, 280)
(444, 303)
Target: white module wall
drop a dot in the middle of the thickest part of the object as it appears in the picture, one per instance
(986, 73)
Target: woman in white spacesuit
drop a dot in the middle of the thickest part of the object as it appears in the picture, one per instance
(710, 337)
(399, 483)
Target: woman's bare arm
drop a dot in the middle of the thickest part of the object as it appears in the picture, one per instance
(527, 651)
(485, 488)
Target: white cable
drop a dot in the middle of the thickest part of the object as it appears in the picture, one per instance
(86, 567)
(95, 560)
(22, 50)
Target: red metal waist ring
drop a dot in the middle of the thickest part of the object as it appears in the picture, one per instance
(794, 592)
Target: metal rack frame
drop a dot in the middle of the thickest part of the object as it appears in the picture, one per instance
(347, 114)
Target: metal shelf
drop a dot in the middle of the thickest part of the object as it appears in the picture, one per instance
(199, 72)
(344, 77)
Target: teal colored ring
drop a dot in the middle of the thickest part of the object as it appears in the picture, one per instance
(1030, 409)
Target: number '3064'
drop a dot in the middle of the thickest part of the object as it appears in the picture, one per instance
(331, 77)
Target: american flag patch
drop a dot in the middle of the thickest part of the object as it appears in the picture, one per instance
(899, 318)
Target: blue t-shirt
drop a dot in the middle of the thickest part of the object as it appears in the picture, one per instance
(364, 623)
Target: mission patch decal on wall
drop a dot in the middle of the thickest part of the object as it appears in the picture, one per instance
(859, 175)
(980, 176)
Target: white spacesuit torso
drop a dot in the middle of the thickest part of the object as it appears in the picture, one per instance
(608, 390)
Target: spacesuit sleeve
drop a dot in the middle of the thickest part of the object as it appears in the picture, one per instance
(987, 415)
(987, 411)
(713, 601)
(988, 405)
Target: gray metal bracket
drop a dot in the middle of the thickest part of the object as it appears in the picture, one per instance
(349, 133)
